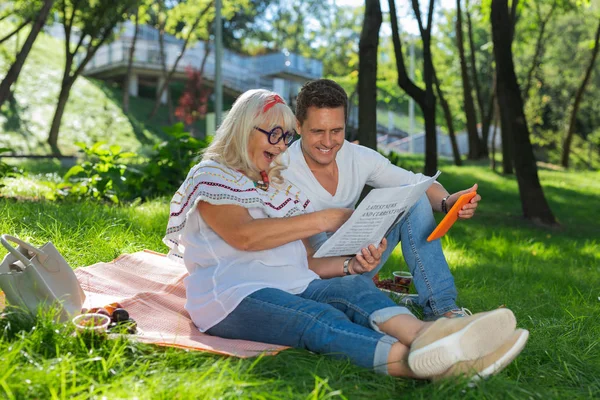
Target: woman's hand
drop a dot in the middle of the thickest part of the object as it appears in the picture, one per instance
(368, 259)
(333, 218)
(468, 210)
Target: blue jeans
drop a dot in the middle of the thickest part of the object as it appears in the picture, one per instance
(337, 317)
(431, 274)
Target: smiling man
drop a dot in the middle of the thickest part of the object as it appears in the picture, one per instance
(333, 172)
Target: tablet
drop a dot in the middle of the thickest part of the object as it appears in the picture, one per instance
(451, 217)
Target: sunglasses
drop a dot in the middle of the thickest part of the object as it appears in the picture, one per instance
(277, 133)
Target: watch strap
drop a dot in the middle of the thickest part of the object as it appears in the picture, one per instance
(445, 204)
(347, 266)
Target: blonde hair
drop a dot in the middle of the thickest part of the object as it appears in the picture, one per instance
(230, 144)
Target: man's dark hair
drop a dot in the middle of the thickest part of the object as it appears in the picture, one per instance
(322, 93)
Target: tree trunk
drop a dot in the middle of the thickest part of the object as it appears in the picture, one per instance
(205, 58)
(15, 69)
(424, 98)
(506, 142)
(179, 56)
(449, 124)
(429, 110)
(367, 75)
(488, 116)
(130, 63)
(202, 67)
(63, 97)
(507, 145)
(352, 130)
(534, 204)
(474, 142)
(573, 118)
(69, 76)
(494, 133)
(430, 141)
(478, 95)
(163, 64)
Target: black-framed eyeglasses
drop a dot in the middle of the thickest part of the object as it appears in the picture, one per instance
(277, 133)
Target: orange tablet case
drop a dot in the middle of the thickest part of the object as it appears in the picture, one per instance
(451, 217)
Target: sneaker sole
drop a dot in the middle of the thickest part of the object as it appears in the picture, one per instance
(505, 360)
(478, 339)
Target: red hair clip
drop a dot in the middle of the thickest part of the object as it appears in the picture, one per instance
(274, 99)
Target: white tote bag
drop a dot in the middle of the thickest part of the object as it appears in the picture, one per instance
(32, 278)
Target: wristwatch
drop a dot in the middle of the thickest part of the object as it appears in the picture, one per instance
(346, 265)
(445, 205)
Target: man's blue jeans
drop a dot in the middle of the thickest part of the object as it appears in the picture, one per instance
(337, 316)
(431, 274)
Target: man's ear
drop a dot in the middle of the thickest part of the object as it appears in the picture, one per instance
(298, 127)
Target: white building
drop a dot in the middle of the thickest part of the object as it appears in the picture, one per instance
(282, 72)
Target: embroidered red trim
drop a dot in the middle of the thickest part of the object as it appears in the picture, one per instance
(269, 204)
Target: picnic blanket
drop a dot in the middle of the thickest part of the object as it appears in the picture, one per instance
(150, 287)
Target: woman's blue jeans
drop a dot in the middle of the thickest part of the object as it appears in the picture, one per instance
(337, 317)
(431, 275)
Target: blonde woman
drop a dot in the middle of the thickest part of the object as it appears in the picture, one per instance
(241, 231)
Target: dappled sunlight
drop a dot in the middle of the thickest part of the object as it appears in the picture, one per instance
(475, 174)
(29, 186)
(591, 248)
(150, 216)
(91, 115)
(105, 119)
(74, 227)
(459, 259)
(116, 203)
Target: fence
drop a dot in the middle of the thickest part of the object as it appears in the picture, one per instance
(416, 143)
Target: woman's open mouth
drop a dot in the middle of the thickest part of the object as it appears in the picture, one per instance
(269, 156)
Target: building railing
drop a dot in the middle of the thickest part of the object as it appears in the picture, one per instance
(416, 143)
(239, 72)
(147, 55)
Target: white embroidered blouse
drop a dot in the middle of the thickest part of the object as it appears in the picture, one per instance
(220, 275)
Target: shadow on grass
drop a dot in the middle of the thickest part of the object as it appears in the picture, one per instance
(146, 130)
(576, 210)
(550, 298)
(137, 115)
(15, 123)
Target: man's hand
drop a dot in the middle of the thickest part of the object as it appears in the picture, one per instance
(468, 209)
(368, 259)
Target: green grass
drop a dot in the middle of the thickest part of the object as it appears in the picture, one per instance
(549, 278)
(400, 121)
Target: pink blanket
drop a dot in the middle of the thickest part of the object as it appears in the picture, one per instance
(150, 287)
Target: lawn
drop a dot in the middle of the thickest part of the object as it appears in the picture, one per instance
(549, 278)
(400, 121)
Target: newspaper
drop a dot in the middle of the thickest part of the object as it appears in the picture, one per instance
(374, 218)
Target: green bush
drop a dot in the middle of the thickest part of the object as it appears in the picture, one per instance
(170, 162)
(101, 176)
(108, 173)
(6, 170)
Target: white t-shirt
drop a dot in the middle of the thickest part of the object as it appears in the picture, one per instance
(357, 166)
(220, 275)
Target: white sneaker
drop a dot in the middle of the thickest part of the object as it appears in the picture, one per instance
(489, 365)
(451, 340)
